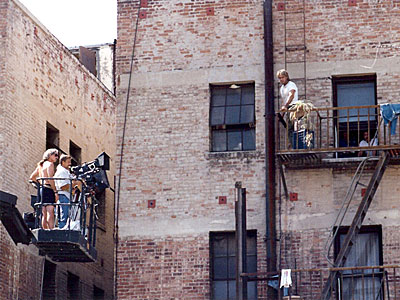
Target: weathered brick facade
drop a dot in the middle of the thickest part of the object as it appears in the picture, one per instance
(181, 48)
(338, 44)
(40, 82)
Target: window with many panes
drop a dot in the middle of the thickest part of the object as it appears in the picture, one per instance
(366, 251)
(232, 118)
(223, 264)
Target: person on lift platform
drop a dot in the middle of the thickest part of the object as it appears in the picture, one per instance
(48, 191)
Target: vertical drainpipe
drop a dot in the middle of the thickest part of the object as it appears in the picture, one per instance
(114, 67)
(269, 142)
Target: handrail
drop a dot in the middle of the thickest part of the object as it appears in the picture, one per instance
(307, 283)
(336, 129)
(85, 207)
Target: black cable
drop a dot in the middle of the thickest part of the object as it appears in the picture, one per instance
(116, 228)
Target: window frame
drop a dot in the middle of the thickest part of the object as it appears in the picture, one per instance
(76, 153)
(228, 235)
(52, 137)
(374, 229)
(245, 129)
(352, 79)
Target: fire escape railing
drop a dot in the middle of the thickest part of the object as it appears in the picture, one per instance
(363, 282)
(336, 129)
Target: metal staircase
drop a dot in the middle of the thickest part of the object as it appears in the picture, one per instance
(357, 220)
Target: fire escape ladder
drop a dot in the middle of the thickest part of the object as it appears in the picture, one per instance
(357, 222)
(295, 44)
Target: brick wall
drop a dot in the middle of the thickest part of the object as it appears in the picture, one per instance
(337, 44)
(40, 81)
(182, 48)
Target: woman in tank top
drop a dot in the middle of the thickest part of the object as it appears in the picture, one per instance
(48, 192)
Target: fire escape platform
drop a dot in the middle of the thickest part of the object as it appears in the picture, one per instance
(323, 158)
(64, 245)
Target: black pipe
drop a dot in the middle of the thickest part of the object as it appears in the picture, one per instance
(114, 68)
(269, 143)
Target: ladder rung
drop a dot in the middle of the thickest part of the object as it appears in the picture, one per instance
(299, 28)
(294, 12)
(295, 47)
(295, 62)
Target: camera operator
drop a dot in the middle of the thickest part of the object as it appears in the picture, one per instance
(63, 188)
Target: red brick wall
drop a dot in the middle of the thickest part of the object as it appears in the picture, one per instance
(170, 268)
(41, 81)
(180, 50)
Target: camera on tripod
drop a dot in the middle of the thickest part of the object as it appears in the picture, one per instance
(94, 173)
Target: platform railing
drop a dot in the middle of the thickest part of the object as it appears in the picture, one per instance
(358, 283)
(336, 129)
(81, 204)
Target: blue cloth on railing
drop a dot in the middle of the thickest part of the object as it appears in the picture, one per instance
(389, 113)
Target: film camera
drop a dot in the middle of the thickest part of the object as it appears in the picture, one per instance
(94, 173)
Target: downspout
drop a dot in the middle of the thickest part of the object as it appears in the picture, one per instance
(269, 141)
(114, 68)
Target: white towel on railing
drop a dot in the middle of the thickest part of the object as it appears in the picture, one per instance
(286, 279)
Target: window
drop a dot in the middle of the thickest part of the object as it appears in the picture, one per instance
(98, 293)
(73, 289)
(101, 207)
(223, 264)
(232, 118)
(52, 136)
(75, 153)
(366, 251)
(49, 281)
(356, 90)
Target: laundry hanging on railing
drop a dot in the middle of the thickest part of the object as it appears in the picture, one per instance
(389, 113)
(286, 279)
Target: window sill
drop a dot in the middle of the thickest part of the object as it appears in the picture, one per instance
(234, 154)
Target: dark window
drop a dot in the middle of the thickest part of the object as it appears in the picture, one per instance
(366, 251)
(101, 207)
(232, 118)
(75, 153)
(73, 288)
(349, 124)
(98, 293)
(223, 264)
(49, 281)
(52, 136)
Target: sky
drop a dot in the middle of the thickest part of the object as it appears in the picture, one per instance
(77, 22)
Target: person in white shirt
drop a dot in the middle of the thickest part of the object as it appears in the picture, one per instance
(366, 142)
(63, 188)
(289, 94)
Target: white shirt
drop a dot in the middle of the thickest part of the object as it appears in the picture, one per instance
(373, 142)
(62, 173)
(285, 92)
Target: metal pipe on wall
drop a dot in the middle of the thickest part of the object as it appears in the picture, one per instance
(270, 167)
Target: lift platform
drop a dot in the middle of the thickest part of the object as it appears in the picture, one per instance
(73, 243)
(64, 245)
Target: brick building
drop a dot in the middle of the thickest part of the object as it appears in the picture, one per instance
(48, 99)
(195, 125)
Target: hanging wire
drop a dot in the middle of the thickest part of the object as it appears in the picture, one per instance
(116, 228)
